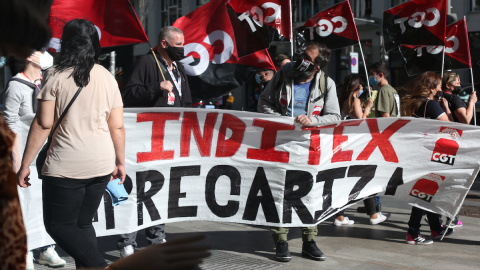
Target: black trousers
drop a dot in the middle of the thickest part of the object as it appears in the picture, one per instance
(69, 206)
(416, 219)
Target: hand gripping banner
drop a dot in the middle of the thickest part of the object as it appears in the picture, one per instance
(234, 166)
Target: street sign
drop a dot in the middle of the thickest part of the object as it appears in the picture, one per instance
(354, 62)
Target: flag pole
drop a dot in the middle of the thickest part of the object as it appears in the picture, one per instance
(365, 66)
(474, 105)
(291, 54)
(443, 62)
(156, 60)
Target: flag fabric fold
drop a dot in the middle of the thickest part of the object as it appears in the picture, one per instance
(429, 58)
(115, 20)
(212, 62)
(416, 22)
(335, 27)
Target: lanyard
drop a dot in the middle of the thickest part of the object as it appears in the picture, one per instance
(178, 83)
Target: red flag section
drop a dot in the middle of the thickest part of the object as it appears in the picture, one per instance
(212, 62)
(115, 20)
(274, 13)
(335, 27)
(416, 22)
(419, 59)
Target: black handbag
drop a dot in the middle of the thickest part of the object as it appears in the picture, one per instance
(42, 155)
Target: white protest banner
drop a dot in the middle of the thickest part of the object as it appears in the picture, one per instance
(233, 166)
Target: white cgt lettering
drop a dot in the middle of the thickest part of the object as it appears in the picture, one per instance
(202, 65)
(418, 19)
(326, 27)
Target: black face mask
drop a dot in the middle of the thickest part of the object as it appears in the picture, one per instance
(457, 90)
(439, 95)
(175, 53)
(302, 64)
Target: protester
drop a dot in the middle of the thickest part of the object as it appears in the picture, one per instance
(387, 104)
(461, 112)
(19, 100)
(304, 102)
(88, 148)
(261, 80)
(419, 101)
(146, 87)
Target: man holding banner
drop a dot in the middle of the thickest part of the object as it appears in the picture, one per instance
(157, 81)
(301, 90)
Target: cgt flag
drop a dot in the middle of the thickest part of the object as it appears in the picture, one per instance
(335, 27)
(212, 62)
(457, 53)
(115, 20)
(416, 22)
(259, 21)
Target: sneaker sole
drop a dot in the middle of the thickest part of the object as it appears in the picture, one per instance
(308, 255)
(283, 259)
(43, 262)
(418, 243)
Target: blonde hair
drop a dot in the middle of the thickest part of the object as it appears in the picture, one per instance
(448, 78)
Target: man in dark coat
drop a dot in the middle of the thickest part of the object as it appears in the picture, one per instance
(147, 87)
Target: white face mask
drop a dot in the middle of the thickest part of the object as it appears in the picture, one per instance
(46, 60)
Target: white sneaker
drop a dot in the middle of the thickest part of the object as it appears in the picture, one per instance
(50, 257)
(126, 251)
(345, 221)
(380, 218)
(30, 265)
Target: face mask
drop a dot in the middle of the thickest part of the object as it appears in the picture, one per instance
(258, 78)
(46, 60)
(372, 80)
(3, 60)
(175, 53)
(361, 92)
(457, 90)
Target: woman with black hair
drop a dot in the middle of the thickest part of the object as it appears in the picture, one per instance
(87, 149)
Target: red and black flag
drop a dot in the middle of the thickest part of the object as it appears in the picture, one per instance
(335, 27)
(419, 59)
(256, 23)
(416, 22)
(212, 62)
(115, 20)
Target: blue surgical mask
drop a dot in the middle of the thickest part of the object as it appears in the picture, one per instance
(361, 92)
(257, 78)
(372, 80)
(3, 60)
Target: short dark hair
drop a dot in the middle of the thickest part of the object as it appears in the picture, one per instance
(380, 67)
(166, 32)
(323, 53)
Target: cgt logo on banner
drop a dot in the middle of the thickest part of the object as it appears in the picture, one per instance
(425, 188)
(233, 166)
(446, 149)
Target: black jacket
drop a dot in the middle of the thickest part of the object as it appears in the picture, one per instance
(142, 85)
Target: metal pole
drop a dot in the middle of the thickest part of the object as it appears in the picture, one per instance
(366, 71)
(291, 53)
(112, 63)
(443, 62)
(474, 106)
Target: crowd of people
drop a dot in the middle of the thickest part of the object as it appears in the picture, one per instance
(91, 135)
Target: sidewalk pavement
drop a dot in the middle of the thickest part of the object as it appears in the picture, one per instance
(360, 246)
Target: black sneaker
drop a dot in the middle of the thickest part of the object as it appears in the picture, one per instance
(310, 250)
(282, 254)
(437, 235)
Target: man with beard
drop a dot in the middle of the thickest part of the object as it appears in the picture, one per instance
(303, 91)
(146, 86)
